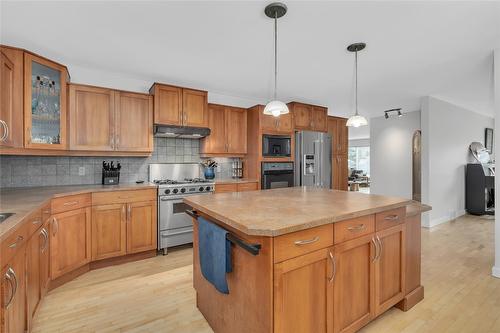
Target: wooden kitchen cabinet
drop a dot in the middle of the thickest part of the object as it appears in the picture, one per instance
(142, 226)
(309, 117)
(303, 288)
(103, 119)
(179, 106)
(342, 136)
(43, 241)
(318, 118)
(44, 103)
(390, 268)
(70, 241)
(340, 172)
(281, 124)
(91, 118)
(33, 294)
(228, 131)
(354, 284)
(14, 294)
(11, 97)
(109, 231)
(134, 122)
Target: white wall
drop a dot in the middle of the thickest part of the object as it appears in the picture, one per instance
(363, 132)
(447, 131)
(359, 143)
(391, 154)
(496, 268)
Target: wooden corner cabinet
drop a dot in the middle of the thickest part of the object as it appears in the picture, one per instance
(228, 131)
(44, 103)
(179, 106)
(103, 119)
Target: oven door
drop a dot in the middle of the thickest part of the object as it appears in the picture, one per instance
(277, 179)
(173, 214)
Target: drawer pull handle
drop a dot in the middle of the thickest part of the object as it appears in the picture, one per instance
(307, 241)
(334, 266)
(46, 211)
(356, 227)
(14, 245)
(11, 277)
(36, 222)
(125, 197)
(70, 203)
(55, 226)
(392, 217)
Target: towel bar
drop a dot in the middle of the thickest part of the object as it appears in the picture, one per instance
(254, 249)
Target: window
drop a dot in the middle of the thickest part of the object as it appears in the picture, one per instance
(359, 159)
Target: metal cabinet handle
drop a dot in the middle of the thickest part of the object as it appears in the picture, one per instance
(55, 224)
(70, 203)
(356, 227)
(36, 222)
(5, 130)
(129, 212)
(12, 278)
(379, 247)
(45, 235)
(18, 240)
(334, 266)
(125, 197)
(375, 246)
(307, 241)
(392, 217)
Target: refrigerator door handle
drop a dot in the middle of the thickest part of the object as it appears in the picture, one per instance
(317, 163)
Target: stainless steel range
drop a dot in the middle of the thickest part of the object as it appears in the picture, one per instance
(176, 181)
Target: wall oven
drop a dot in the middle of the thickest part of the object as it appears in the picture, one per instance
(277, 175)
(276, 145)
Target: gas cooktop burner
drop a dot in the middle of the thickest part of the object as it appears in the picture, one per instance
(197, 180)
(165, 182)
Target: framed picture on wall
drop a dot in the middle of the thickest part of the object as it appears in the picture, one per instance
(488, 139)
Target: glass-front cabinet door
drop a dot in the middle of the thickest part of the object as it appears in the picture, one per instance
(45, 103)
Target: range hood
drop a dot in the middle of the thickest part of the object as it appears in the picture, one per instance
(167, 131)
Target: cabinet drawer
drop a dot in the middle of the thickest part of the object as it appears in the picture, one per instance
(71, 202)
(34, 222)
(105, 198)
(14, 242)
(354, 228)
(247, 187)
(390, 218)
(302, 242)
(222, 188)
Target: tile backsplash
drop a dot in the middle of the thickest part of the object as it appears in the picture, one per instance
(22, 171)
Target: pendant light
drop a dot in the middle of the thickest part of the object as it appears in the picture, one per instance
(356, 120)
(275, 107)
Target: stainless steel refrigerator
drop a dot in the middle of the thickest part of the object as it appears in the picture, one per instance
(313, 159)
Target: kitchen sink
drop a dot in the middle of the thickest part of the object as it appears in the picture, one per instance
(4, 216)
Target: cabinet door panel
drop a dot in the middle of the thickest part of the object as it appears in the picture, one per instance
(285, 123)
(303, 289)
(141, 229)
(69, 241)
(236, 130)
(215, 143)
(33, 274)
(390, 268)
(14, 300)
(354, 284)
(268, 123)
(194, 108)
(109, 231)
(340, 172)
(134, 122)
(318, 118)
(342, 136)
(167, 105)
(91, 115)
(302, 116)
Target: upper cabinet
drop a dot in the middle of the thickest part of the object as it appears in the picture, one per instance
(282, 124)
(309, 117)
(228, 131)
(11, 97)
(44, 103)
(340, 135)
(179, 106)
(103, 119)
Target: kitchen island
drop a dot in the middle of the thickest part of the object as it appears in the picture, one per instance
(310, 260)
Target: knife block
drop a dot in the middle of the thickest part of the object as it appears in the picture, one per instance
(110, 177)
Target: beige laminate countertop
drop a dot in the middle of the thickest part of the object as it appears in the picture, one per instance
(281, 211)
(23, 201)
(235, 181)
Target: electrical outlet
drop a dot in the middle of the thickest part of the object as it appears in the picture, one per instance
(81, 171)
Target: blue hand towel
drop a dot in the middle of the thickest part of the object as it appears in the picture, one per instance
(214, 253)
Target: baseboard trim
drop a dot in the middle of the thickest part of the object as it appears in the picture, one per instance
(435, 222)
(495, 271)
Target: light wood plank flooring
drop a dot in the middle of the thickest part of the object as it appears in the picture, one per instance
(156, 295)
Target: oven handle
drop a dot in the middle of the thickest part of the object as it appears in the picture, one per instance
(177, 233)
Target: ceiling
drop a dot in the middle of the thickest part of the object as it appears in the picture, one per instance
(413, 49)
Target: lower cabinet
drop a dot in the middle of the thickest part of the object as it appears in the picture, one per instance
(69, 241)
(109, 230)
(303, 288)
(33, 294)
(390, 268)
(14, 295)
(141, 229)
(340, 172)
(353, 296)
(236, 187)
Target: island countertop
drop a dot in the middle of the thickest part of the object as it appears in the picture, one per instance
(281, 211)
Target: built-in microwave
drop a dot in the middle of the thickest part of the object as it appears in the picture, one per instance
(276, 145)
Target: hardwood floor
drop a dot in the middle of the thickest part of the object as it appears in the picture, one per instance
(156, 295)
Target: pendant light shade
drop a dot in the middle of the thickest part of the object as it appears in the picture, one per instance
(357, 120)
(275, 107)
